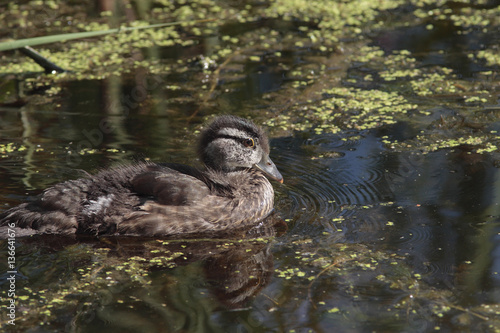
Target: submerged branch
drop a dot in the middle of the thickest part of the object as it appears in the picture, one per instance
(48, 65)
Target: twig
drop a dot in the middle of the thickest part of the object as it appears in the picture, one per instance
(315, 278)
(48, 65)
(215, 80)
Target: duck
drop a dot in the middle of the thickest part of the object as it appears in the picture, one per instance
(231, 192)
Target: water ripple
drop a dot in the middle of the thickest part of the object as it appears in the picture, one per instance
(417, 236)
(324, 174)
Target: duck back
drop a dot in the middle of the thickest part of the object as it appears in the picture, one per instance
(147, 199)
(86, 205)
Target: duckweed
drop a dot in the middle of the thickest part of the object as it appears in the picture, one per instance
(9, 148)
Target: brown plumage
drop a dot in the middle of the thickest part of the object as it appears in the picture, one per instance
(165, 199)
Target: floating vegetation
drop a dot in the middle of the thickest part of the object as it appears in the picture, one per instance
(7, 149)
(491, 57)
(341, 264)
(91, 277)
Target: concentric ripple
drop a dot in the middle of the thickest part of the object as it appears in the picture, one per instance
(325, 174)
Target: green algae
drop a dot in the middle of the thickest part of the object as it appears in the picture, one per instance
(355, 103)
(342, 263)
(426, 143)
(469, 18)
(88, 278)
(334, 19)
(349, 108)
(7, 149)
(491, 57)
(403, 88)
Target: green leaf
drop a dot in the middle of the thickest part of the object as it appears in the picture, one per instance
(15, 44)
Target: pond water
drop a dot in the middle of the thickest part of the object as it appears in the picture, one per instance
(386, 222)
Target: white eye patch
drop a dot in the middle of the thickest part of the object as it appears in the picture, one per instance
(232, 132)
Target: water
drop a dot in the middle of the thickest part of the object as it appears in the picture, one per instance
(366, 237)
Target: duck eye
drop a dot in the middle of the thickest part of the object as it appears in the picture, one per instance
(249, 143)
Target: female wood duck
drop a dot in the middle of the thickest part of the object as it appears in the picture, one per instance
(165, 199)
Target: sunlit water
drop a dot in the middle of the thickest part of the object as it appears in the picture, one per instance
(356, 213)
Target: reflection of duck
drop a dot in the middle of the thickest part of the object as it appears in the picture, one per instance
(165, 199)
(182, 283)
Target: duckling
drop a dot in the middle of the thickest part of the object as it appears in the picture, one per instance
(152, 199)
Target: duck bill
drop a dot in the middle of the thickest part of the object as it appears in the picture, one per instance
(269, 168)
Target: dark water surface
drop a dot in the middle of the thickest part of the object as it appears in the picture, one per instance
(376, 239)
